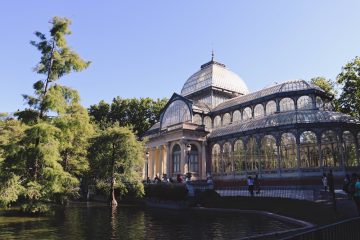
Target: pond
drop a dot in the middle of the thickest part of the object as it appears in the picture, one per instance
(95, 221)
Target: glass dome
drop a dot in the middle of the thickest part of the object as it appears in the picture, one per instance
(214, 74)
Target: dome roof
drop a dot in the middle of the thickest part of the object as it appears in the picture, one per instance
(214, 74)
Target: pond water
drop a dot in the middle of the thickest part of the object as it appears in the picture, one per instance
(94, 221)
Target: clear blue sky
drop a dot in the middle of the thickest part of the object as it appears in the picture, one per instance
(149, 48)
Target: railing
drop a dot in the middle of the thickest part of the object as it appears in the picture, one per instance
(347, 230)
(270, 191)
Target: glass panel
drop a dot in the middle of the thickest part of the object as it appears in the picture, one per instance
(268, 153)
(309, 155)
(236, 116)
(217, 121)
(176, 112)
(319, 103)
(176, 158)
(252, 155)
(226, 119)
(329, 149)
(292, 86)
(247, 114)
(304, 102)
(197, 119)
(194, 159)
(239, 156)
(287, 104)
(270, 107)
(258, 111)
(349, 149)
(215, 166)
(288, 151)
(227, 158)
(207, 122)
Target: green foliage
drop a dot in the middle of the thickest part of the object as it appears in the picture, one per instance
(76, 130)
(166, 192)
(325, 84)
(349, 78)
(10, 189)
(57, 60)
(42, 157)
(116, 152)
(141, 113)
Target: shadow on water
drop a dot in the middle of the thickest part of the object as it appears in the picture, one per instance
(96, 221)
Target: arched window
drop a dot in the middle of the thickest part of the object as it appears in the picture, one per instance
(319, 103)
(239, 156)
(270, 107)
(330, 149)
(176, 112)
(247, 113)
(304, 102)
(176, 156)
(259, 111)
(309, 155)
(207, 122)
(349, 149)
(226, 119)
(197, 119)
(252, 155)
(268, 153)
(194, 159)
(236, 116)
(217, 121)
(215, 166)
(287, 104)
(288, 151)
(227, 158)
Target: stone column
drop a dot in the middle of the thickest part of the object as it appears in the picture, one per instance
(278, 158)
(183, 164)
(152, 163)
(298, 157)
(161, 160)
(168, 159)
(202, 170)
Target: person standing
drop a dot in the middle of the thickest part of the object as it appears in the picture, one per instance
(325, 182)
(357, 194)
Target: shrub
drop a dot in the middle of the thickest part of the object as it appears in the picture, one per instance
(164, 191)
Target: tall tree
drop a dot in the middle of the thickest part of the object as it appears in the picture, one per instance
(51, 152)
(116, 160)
(140, 113)
(349, 78)
(57, 60)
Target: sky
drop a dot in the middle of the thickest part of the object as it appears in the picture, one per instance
(150, 48)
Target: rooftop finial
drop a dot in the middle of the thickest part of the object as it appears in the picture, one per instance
(212, 55)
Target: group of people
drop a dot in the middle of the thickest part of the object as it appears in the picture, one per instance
(165, 179)
(351, 186)
(253, 185)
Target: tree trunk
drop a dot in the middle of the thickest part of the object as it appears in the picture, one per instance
(113, 199)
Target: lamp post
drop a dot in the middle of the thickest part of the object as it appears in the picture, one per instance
(188, 175)
(147, 166)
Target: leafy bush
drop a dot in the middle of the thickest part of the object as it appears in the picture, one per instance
(164, 191)
(208, 198)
